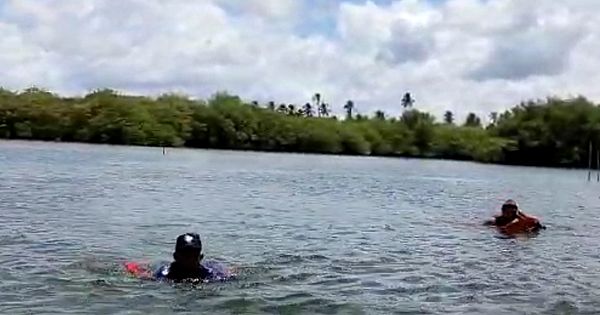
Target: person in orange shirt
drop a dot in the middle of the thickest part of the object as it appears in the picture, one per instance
(512, 220)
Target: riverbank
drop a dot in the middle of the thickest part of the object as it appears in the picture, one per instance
(553, 133)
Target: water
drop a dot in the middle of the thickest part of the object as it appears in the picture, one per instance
(310, 234)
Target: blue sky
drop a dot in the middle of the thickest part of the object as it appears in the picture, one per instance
(460, 55)
(320, 17)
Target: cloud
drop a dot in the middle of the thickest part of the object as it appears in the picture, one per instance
(459, 55)
(406, 44)
(539, 44)
(270, 9)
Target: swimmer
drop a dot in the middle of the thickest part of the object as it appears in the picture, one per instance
(512, 218)
(186, 265)
(510, 210)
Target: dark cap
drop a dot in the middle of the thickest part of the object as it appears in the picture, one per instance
(188, 241)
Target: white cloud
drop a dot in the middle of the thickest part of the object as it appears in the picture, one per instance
(271, 9)
(461, 55)
(540, 43)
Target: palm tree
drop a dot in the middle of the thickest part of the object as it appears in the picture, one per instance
(324, 110)
(308, 110)
(317, 101)
(449, 117)
(407, 100)
(349, 107)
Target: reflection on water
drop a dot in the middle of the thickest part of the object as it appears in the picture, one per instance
(309, 234)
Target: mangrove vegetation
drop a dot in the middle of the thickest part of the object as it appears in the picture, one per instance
(550, 132)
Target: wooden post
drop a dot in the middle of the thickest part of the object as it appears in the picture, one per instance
(598, 165)
(590, 164)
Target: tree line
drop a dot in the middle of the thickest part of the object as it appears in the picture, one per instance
(550, 132)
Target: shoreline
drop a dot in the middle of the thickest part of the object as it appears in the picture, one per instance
(521, 136)
(406, 157)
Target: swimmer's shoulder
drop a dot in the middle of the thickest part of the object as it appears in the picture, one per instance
(162, 272)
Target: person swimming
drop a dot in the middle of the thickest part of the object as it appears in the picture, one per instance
(510, 210)
(187, 263)
(513, 220)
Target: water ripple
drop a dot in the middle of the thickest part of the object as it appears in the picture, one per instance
(308, 234)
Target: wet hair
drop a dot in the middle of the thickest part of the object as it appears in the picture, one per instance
(510, 204)
(188, 242)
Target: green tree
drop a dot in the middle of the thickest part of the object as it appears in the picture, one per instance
(550, 132)
(324, 110)
(349, 107)
(493, 118)
(291, 109)
(308, 110)
(449, 117)
(282, 108)
(472, 121)
(407, 100)
(317, 103)
(413, 117)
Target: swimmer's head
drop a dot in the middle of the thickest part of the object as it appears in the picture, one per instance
(188, 250)
(510, 208)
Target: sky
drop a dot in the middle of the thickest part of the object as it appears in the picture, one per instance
(465, 56)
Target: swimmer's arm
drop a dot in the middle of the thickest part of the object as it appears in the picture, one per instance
(490, 222)
(507, 227)
(536, 224)
(140, 271)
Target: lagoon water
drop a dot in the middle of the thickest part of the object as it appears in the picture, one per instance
(310, 234)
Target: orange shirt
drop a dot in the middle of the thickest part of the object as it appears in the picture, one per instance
(522, 224)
